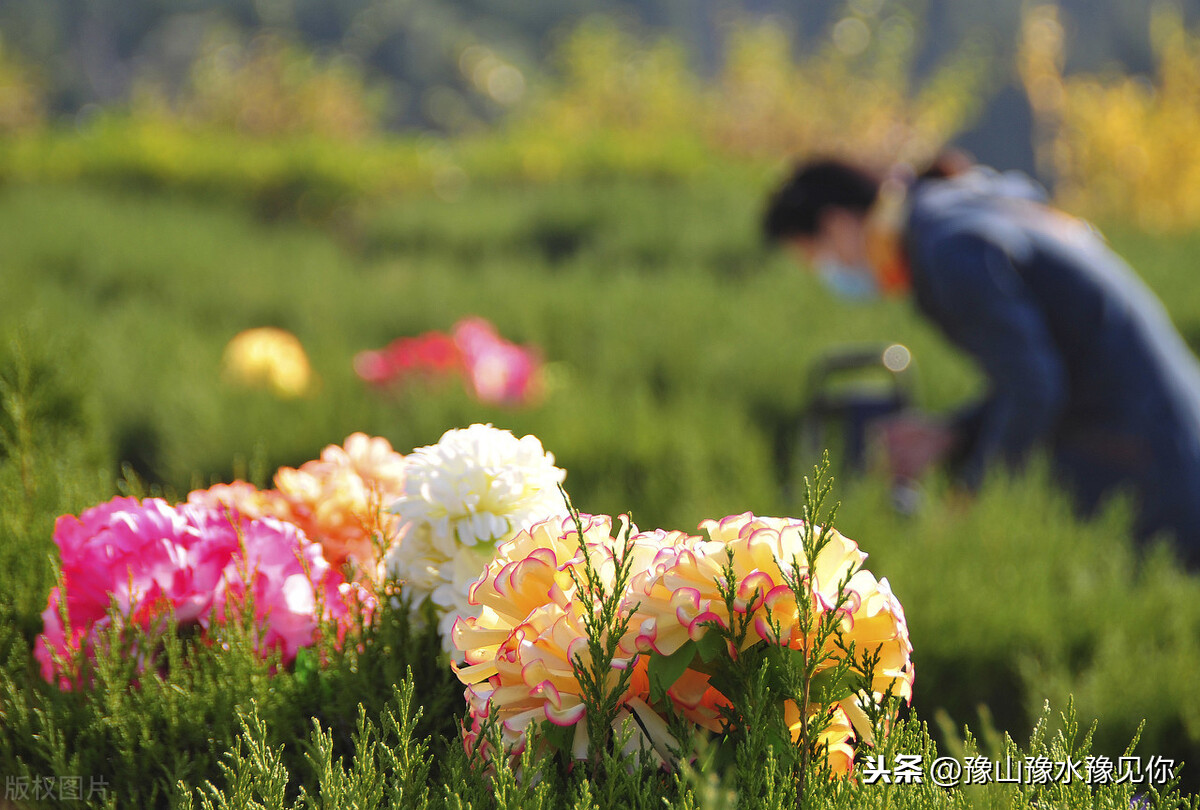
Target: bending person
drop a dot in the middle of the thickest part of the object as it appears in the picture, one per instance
(1081, 357)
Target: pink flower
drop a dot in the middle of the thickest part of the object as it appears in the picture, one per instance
(373, 366)
(194, 562)
(500, 372)
(286, 574)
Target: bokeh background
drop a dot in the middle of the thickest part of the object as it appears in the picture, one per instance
(588, 176)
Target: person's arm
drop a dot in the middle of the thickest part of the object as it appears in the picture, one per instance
(985, 307)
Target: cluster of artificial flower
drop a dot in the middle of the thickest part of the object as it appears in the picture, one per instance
(496, 371)
(339, 501)
(195, 563)
(476, 525)
(436, 516)
(521, 649)
(288, 546)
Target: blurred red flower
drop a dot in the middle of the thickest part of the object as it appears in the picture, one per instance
(496, 371)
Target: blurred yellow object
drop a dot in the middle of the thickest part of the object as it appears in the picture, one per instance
(22, 95)
(268, 87)
(1120, 148)
(267, 357)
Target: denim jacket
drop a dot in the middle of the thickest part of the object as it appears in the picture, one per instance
(1081, 357)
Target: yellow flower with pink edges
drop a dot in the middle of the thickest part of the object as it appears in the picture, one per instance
(678, 600)
(871, 616)
(529, 629)
(520, 649)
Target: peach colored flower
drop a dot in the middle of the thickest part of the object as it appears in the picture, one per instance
(341, 499)
(244, 500)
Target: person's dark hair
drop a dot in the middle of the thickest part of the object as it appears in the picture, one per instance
(795, 208)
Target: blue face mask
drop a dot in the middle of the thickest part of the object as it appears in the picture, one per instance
(852, 282)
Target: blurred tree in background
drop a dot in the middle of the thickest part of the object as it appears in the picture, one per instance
(267, 86)
(21, 94)
(1098, 99)
(1119, 145)
(426, 57)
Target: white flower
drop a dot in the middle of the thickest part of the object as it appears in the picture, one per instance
(452, 597)
(464, 496)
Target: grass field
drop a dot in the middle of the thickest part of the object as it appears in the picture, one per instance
(679, 349)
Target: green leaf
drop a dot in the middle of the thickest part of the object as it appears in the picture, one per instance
(829, 686)
(724, 757)
(710, 647)
(561, 737)
(778, 741)
(664, 670)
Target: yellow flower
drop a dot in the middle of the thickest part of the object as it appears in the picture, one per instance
(528, 573)
(680, 594)
(835, 737)
(520, 648)
(267, 357)
(878, 623)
